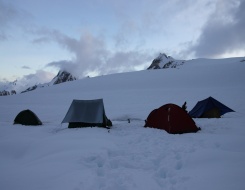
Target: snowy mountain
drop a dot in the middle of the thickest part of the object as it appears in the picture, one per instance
(61, 77)
(8, 88)
(11, 87)
(163, 62)
(129, 156)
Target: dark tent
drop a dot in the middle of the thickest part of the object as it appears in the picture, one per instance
(27, 117)
(209, 108)
(87, 113)
(172, 119)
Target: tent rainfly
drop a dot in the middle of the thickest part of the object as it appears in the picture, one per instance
(209, 108)
(172, 119)
(87, 113)
(27, 117)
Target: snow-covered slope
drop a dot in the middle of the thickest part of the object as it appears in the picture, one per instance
(128, 156)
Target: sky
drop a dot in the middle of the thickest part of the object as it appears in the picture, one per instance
(97, 37)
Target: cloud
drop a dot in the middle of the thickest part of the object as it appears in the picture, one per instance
(25, 67)
(69, 66)
(10, 18)
(223, 32)
(91, 55)
(39, 77)
(7, 15)
(128, 60)
(26, 81)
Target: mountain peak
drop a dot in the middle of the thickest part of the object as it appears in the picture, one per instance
(63, 76)
(163, 61)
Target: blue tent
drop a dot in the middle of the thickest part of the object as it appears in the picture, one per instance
(209, 108)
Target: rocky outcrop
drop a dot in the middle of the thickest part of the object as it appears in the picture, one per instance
(63, 76)
(8, 89)
(7, 93)
(30, 89)
(163, 62)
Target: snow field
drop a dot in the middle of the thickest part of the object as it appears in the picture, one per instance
(128, 156)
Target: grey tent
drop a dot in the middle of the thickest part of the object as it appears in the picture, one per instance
(87, 113)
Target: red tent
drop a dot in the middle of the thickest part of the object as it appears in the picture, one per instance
(172, 119)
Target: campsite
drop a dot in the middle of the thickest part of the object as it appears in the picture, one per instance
(128, 155)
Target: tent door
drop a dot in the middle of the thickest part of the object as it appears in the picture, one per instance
(212, 113)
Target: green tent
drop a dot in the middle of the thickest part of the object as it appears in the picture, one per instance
(27, 117)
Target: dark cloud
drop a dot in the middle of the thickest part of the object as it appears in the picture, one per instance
(224, 31)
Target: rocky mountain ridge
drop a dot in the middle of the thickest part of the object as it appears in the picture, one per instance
(8, 89)
(163, 62)
(61, 77)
